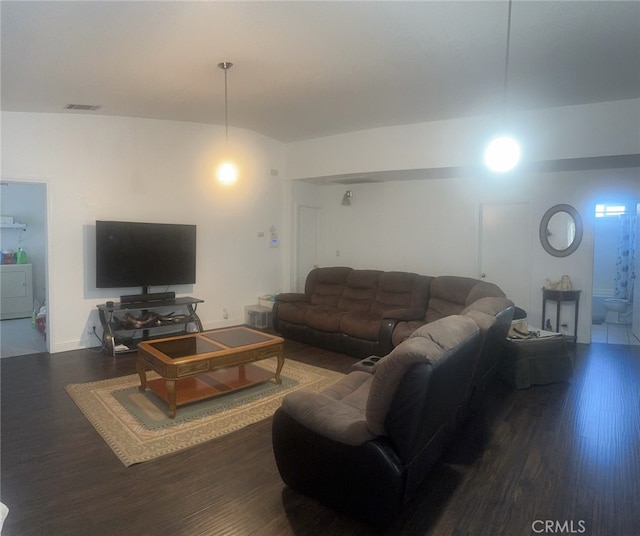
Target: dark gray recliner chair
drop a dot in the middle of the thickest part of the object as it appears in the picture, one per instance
(365, 444)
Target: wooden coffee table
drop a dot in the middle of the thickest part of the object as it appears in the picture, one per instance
(203, 365)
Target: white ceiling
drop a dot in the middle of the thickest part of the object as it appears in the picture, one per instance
(306, 69)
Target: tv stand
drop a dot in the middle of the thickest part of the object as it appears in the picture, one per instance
(146, 297)
(125, 324)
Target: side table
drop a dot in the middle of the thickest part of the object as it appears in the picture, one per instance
(560, 296)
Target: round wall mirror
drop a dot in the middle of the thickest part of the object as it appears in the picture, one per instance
(561, 230)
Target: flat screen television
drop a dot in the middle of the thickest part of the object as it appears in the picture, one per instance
(130, 254)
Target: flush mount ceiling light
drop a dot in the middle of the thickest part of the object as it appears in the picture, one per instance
(227, 172)
(502, 154)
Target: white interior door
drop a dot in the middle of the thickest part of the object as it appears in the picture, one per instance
(505, 249)
(307, 243)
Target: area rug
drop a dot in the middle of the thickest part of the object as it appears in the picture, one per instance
(136, 427)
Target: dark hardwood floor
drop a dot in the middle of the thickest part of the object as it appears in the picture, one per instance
(555, 459)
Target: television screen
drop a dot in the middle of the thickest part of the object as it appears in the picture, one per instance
(132, 254)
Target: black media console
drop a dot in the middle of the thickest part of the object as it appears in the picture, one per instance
(126, 323)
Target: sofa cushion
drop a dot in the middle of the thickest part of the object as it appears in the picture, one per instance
(404, 329)
(451, 294)
(361, 325)
(491, 305)
(323, 318)
(401, 290)
(337, 412)
(483, 289)
(359, 290)
(484, 320)
(427, 344)
(324, 286)
(294, 312)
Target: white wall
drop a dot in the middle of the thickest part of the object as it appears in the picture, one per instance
(432, 226)
(99, 167)
(609, 128)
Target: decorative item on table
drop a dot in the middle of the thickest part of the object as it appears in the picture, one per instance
(21, 256)
(563, 284)
(148, 319)
(8, 256)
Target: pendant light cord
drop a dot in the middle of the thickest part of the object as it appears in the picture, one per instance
(225, 66)
(226, 110)
(506, 65)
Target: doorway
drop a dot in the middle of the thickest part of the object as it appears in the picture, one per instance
(615, 259)
(23, 229)
(307, 243)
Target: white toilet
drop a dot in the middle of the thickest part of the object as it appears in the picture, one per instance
(619, 309)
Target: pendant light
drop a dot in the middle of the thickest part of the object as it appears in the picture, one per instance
(503, 152)
(227, 172)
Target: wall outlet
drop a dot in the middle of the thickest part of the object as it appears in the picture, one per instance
(225, 313)
(90, 329)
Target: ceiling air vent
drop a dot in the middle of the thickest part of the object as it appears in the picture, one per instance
(83, 107)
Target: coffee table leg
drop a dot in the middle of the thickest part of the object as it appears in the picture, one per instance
(143, 376)
(171, 397)
(279, 368)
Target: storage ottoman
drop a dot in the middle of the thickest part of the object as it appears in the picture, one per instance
(537, 361)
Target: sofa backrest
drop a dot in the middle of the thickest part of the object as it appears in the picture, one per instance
(324, 286)
(367, 290)
(401, 290)
(493, 315)
(450, 295)
(359, 290)
(417, 388)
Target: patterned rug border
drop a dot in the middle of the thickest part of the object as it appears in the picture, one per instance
(134, 443)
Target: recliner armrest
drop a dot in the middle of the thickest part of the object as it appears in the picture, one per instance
(367, 364)
(292, 297)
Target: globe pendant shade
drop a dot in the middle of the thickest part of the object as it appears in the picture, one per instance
(227, 173)
(502, 154)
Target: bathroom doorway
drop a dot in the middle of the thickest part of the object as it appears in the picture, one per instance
(614, 260)
(23, 208)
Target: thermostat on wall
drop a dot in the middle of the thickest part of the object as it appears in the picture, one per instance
(274, 241)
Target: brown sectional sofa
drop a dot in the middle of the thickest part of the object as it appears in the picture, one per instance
(364, 445)
(369, 312)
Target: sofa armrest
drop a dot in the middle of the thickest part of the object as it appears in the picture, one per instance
(291, 297)
(405, 313)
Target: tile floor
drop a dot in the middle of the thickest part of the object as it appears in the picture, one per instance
(613, 334)
(18, 337)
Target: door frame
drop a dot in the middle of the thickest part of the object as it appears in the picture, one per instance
(47, 244)
(299, 208)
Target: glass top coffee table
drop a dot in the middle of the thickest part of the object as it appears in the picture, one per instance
(207, 364)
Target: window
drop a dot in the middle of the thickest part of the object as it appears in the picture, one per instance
(602, 210)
